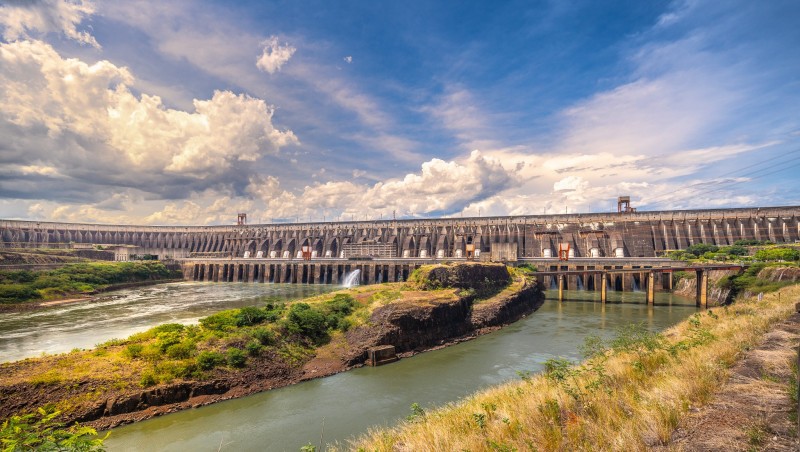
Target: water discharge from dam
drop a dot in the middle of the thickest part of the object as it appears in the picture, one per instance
(349, 403)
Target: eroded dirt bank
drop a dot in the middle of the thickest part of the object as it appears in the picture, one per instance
(428, 320)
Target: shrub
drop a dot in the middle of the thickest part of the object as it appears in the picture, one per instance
(734, 250)
(253, 348)
(265, 336)
(148, 379)
(167, 339)
(11, 293)
(41, 431)
(133, 351)
(221, 321)
(308, 322)
(701, 248)
(778, 254)
(250, 315)
(236, 357)
(182, 350)
(207, 360)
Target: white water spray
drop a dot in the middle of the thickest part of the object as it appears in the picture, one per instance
(352, 279)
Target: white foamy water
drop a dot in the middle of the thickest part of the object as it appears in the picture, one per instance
(61, 328)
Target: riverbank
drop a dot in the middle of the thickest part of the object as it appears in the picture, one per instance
(25, 289)
(105, 385)
(32, 306)
(630, 394)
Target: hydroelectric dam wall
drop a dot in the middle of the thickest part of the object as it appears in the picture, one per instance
(594, 235)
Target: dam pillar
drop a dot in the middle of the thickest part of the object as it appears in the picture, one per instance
(603, 288)
(651, 288)
(560, 287)
(702, 289)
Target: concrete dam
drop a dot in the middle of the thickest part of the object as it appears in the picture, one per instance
(511, 238)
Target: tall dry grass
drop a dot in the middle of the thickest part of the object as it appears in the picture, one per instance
(632, 401)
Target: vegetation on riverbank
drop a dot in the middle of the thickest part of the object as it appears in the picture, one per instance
(18, 286)
(628, 394)
(745, 251)
(257, 343)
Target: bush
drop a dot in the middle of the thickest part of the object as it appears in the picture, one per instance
(264, 336)
(221, 321)
(254, 348)
(734, 250)
(208, 360)
(41, 431)
(148, 379)
(778, 254)
(180, 351)
(701, 248)
(13, 293)
(133, 351)
(250, 315)
(236, 357)
(308, 322)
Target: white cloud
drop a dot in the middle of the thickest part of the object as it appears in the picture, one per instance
(274, 55)
(348, 59)
(20, 19)
(68, 96)
(439, 187)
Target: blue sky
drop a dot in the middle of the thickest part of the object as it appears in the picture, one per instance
(189, 112)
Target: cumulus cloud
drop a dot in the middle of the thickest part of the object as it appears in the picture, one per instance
(348, 59)
(274, 55)
(440, 187)
(85, 120)
(19, 19)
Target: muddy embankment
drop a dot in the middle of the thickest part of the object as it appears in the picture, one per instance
(411, 326)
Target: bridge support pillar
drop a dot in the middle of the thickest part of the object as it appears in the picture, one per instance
(651, 288)
(560, 287)
(603, 288)
(702, 289)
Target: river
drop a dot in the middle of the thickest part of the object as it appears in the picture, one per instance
(347, 404)
(61, 328)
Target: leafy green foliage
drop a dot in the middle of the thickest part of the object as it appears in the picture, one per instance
(303, 320)
(778, 254)
(41, 431)
(314, 322)
(417, 413)
(752, 242)
(208, 360)
(236, 357)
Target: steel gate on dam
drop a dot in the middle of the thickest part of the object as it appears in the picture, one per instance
(627, 234)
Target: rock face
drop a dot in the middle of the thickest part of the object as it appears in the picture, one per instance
(717, 296)
(479, 277)
(780, 274)
(412, 327)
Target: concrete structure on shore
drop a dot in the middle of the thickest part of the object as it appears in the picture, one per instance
(625, 234)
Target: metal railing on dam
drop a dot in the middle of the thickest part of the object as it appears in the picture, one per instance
(628, 234)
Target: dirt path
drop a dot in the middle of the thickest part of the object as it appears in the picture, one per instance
(753, 410)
